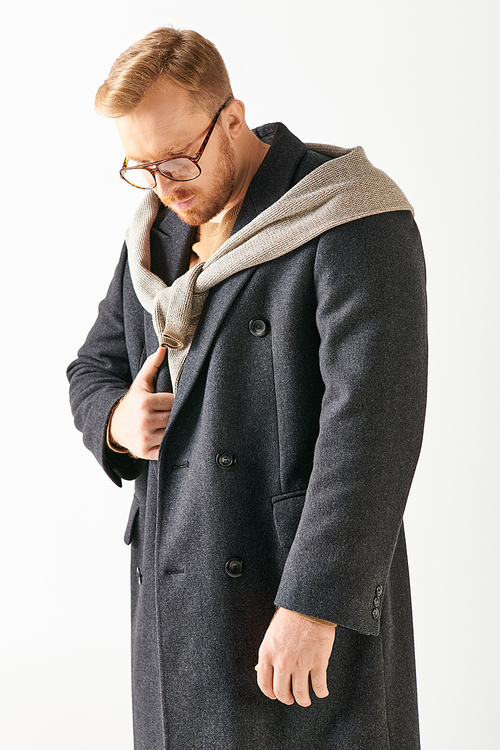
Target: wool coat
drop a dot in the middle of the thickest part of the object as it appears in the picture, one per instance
(281, 480)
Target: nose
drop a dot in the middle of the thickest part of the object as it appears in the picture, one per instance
(164, 187)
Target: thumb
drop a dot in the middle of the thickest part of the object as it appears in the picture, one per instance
(146, 376)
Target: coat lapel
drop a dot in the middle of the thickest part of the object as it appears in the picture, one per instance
(216, 307)
(171, 241)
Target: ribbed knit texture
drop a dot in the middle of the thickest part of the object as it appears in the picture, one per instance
(346, 188)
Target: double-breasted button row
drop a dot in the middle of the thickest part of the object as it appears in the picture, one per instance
(225, 460)
(376, 602)
(234, 567)
(258, 327)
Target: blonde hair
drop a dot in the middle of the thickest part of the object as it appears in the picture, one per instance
(185, 57)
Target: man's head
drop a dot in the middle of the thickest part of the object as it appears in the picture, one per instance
(183, 57)
(165, 92)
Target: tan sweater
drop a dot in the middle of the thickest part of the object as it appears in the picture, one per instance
(212, 235)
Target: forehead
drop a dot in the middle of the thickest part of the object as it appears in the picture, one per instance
(164, 123)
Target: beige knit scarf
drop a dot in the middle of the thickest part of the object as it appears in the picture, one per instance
(345, 188)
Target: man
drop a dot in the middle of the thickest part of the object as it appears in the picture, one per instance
(259, 368)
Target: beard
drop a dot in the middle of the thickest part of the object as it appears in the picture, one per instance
(220, 192)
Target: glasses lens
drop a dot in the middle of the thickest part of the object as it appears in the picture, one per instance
(180, 170)
(140, 178)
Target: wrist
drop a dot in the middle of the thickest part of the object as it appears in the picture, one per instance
(112, 444)
(317, 620)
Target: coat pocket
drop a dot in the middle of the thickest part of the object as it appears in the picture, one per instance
(287, 510)
(132, 518)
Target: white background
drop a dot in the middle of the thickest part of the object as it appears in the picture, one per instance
(414, 82)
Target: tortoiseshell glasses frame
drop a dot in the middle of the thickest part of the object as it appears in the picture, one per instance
(181, 168)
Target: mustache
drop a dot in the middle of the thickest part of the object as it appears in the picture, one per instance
(177, 198)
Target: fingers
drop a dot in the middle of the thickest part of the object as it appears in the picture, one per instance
(152, 454)
(265, 679)
(154, 412)
(300, 687)
(148, 444)
(286, 687)
(146, 441)
(161, 401)
(282, 678)
(293, 651)
(318, 682)
(281, 685)
(147, 374)
(274, 683)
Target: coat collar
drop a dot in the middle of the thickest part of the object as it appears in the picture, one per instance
(276, 173)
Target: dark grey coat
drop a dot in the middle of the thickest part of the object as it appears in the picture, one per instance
(289, 454)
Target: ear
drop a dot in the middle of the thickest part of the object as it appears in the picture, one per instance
(235, 118)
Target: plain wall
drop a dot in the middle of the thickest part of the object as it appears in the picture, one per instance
(415, 83)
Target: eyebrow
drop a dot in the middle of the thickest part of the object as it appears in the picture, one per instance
(168, 154)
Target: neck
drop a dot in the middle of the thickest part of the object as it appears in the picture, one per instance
(250, 152)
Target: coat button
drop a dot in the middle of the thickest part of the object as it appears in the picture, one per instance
(225, 460)
(234, 567)
(378, 591)
(138, 575)
(258, 327)
(376, 602)
(375, 613)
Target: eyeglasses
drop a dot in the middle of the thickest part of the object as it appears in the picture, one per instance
(181, 169)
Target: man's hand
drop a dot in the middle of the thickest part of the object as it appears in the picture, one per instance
(140, 419)
(294, 648)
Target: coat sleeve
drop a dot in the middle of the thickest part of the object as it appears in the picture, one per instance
(102, 374)
(371, 317)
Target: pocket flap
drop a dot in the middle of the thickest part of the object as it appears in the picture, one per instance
(134, 512)
(287, 511)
